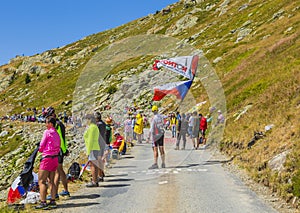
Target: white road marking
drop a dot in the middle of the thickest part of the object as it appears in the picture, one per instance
(163, 182)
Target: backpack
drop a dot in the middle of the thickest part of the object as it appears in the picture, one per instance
(74, 170)
(158, 127)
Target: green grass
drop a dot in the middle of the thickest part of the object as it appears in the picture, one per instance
(251, 91)
(12, 144)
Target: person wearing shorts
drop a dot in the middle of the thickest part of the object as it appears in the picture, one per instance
(157, 135)
(49, 147)
(159, 142)
(60, 174)
(91, 140)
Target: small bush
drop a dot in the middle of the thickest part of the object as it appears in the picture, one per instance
(27, 79)
(296, 184)
(112, 89)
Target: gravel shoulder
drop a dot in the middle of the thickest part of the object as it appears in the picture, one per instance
(262, 191)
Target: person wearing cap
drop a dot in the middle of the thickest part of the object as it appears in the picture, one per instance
(117, 144)
(91, 140)
(157, 136)
(108, 139)
(60, 173)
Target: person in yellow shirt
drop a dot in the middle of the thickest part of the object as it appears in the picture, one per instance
(139, 127)
(173, 123)
(91, 137)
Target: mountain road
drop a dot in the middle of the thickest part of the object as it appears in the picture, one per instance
(193, 181)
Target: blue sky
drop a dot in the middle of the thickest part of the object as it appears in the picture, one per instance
(34, 26)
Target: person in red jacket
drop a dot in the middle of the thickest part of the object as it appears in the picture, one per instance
(118, 142)
(203, 128)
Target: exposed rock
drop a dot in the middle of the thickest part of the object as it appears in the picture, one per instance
(243, 7)
(277, 162)
(217, 60)
(246, 23)
(243, 33)
(223, 7)
(278, 14)
(3, 133)
(186, 22)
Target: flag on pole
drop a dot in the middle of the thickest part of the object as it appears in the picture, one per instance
(179, 89)
(183, 65)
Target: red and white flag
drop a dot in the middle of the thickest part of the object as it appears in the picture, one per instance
(183, 65)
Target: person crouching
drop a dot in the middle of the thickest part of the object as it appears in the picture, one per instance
(119, 143)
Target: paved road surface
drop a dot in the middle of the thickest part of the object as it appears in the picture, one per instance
(193, 181)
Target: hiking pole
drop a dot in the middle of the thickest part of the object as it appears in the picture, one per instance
(83, 169)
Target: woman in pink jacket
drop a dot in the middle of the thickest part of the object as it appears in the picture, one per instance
(49, 147)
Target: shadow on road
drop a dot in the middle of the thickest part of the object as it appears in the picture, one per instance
(90, 196)
(121, 167)
(121, 175)
(74, 205)
(127, 157)
(183, 166)
(119, 180)
(214, 162)
(114, 185)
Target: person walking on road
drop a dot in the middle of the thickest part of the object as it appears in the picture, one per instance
(195, 130)
(157, 135)
(182, 131)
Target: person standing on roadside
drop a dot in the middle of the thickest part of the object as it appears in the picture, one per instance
(108, 139)
(91, 140)
(203, 128)
(173, 123)
(195, 130)
(139, 127)
(49, 147)
(102, 129)
(60, 174)
(190, 127)
(157, 135)
(220, 118)
(128, 130)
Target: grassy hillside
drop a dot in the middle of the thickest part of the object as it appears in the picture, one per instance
(258, 43)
